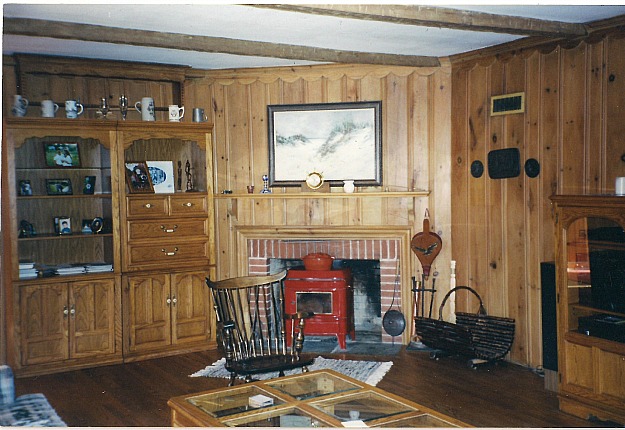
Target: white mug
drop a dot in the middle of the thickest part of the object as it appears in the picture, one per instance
(146, 109)
(620, 186)
(175, 113)
(48, 108)
(20, 104)
(73, 109)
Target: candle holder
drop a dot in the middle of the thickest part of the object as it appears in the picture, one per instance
(265, 189)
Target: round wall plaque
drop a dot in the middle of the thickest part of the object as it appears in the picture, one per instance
(532, 167)
(477, 169)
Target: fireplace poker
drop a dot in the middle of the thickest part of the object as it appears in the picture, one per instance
(423, 278)
(433, 291)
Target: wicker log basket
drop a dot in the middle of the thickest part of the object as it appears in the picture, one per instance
(482, 337)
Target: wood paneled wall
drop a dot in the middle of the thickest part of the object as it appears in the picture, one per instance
(416, 146)
(573, 124)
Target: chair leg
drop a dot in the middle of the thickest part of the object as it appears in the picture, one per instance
(232, 378)
(281, 373)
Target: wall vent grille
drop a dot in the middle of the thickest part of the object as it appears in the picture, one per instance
(506, 104)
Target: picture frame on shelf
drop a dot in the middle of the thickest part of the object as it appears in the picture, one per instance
(62, 155)
(341, 141)
(59, 187)
(65, 225)
(138, 177)
(25, 188)
(162, 176)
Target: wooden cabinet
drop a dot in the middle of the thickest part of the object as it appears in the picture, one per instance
(167, 242)
(590, 276)
(62, 313)
(167, 312)
(66, 324)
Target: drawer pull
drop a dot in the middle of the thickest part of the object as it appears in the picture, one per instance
(169, 253)
(169, 230)
(187, 204)
(174, 300)
(148, 205)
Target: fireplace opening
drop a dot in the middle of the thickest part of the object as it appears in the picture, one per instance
(367, 292)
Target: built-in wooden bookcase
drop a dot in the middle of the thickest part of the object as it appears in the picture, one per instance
(152, 299)
(590, 276)
(168, 241)
(59, 321)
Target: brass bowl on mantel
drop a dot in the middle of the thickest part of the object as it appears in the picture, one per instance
(318, 261)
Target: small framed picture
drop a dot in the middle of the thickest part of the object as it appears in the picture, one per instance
(61, 154)
(138, 177)
(59, 187)
(65, 225)
(162, 175)
(25, 188)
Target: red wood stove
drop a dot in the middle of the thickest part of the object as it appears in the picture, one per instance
(327, 293)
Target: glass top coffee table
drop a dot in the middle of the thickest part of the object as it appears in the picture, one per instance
(322, 398)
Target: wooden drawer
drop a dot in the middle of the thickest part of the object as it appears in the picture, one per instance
(188, 204)
(167, 229)
(147, 207)
(166, 253)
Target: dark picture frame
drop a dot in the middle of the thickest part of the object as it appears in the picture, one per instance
(138, 177)
(65, 225)
(341, 141)
(61, 155)
(25, 188)
(59, 187)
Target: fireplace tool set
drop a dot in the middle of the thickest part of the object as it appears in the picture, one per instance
(479, 336)
(426, 245)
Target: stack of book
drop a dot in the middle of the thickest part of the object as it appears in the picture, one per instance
(260, 401)
(70, 269)
(98, 267)
(27, 270)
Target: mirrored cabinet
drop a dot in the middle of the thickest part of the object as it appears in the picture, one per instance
(590, 277)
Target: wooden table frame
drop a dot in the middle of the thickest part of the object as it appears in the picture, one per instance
(186, 414)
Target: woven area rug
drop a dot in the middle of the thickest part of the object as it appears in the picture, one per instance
(369, 372)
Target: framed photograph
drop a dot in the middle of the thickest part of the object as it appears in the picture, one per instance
(25, 189)
(340, 141)
(138, 177)
(65, 225)
(61, 154)
(59, 187)
(162, 176)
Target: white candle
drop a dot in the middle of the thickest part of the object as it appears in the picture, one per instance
(620, 186)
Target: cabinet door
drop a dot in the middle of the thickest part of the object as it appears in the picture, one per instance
(150, 317)
(44, 323)
(92, 316)
(190, 312)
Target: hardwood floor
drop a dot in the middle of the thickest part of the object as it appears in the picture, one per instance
(136, 394)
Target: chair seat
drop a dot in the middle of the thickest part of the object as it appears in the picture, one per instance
(269, 363)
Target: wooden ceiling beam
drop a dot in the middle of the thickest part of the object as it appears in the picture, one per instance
(187, 42)
(440, 17)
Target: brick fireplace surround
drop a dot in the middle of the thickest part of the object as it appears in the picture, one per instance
(387, 251)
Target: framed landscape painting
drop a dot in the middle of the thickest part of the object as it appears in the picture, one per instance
(340, 141)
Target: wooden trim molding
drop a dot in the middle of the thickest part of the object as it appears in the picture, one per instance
(99, 68)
